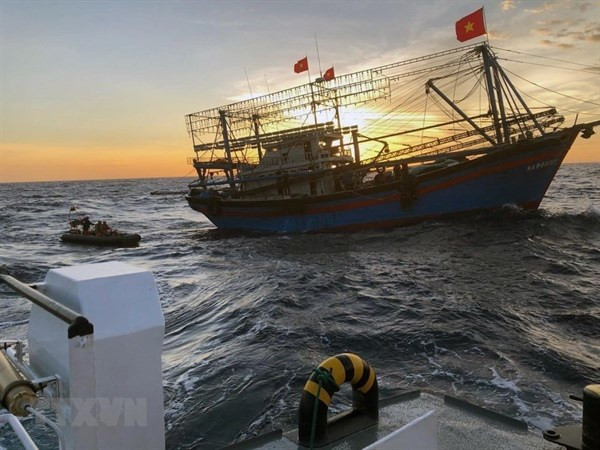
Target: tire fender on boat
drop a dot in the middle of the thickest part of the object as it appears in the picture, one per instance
(332, 373)
(214, 206)
(409, 192)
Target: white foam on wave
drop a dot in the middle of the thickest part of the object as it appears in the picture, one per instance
(560, 411)
(273, 409)
(538, 416)
(592, 211)
(504, 383)
(259, 326)
(541, 423)
(173, 411)
(246, 382)
(432, 361)
(187, 381)
(512, 207)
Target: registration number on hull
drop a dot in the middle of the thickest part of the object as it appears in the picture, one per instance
(542, 165)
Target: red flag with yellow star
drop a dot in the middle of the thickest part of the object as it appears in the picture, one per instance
(470, 26)
(301, 65)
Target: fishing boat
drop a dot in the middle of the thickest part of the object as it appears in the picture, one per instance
(91, 372)
(444, 135)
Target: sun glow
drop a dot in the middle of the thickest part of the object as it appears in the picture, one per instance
(78, 103)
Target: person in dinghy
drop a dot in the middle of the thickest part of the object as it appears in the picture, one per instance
(84, 231)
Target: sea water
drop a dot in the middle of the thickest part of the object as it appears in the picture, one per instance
(502, 309)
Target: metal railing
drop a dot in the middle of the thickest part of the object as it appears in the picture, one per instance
(21, 433)
(78, 324)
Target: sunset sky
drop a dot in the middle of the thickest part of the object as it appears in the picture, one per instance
(99, 89)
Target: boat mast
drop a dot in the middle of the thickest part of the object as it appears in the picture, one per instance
(356, 146)
(490, 88)
(512, 87)
(257, 135)
(501, 106)
(229, 170)
(313, 104)
(336, 107)
(339, 119)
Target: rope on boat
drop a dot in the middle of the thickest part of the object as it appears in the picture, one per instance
(550, 90)
(323, 376)
(547, 57)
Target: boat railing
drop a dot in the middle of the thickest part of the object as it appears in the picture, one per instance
(78, 324)
(18, 374)
(21, 433)
(277, 138)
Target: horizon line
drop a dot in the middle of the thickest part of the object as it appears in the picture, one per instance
(179, 176)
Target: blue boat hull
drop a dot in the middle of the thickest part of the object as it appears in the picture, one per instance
(519, 174)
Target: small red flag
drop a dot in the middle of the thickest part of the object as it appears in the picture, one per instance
(301, 66)
(329, 74)
(470, 26)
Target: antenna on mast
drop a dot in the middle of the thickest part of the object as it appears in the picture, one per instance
(318, 56)
(487, 35)
(248, 80)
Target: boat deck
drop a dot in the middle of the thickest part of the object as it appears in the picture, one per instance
(460, 425)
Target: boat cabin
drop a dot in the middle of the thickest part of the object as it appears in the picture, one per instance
(295, 165)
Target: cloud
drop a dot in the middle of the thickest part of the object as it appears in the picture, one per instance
(542, 31)
(569, 30)
(549, 43)
(498, 35)
(544, 8)
(569, 34)
(557, 22)
(583, 6)
(570, 5)
(507, 5)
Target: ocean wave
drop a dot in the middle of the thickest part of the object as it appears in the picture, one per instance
(500, 307)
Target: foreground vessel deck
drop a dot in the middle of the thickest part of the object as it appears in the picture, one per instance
(460, 425)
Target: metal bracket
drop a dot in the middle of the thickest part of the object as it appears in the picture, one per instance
(52, 381)
(18, 344)
(568, 436)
